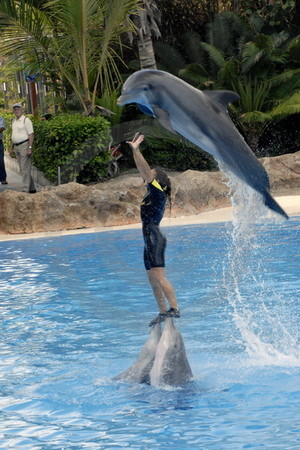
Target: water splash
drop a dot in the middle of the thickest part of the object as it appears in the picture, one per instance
(262, 317)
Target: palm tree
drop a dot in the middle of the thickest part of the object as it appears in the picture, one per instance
(147, 22)
(73, 41)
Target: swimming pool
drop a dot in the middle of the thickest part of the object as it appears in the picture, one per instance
(75, 313)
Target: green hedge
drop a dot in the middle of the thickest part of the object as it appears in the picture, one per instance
(76, 144)
(8, 117)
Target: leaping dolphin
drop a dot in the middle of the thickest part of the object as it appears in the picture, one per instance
(202, 118)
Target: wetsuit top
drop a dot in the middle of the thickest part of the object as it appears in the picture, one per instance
(153, 204)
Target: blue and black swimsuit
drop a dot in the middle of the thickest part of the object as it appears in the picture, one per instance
(152, 211)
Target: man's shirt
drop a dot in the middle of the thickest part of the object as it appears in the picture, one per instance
(21, 129)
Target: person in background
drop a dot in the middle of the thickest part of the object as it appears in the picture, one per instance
(2, 163)
(152, 210)
(22, 139)
(47, 116)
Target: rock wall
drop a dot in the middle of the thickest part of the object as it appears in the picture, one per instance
(116, 202)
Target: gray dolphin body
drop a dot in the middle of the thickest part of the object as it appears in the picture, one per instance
(162, 360)
(140, 370)
(170, 365)
(202, 118)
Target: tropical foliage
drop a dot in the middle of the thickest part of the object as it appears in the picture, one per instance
(81, 49)
(262, 69)
(72, 142)
(72, 42)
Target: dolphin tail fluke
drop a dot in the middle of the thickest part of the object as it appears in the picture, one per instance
(273, 205)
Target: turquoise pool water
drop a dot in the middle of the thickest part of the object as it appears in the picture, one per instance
(75, 313)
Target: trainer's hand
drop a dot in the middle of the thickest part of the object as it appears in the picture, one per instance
(136, 141)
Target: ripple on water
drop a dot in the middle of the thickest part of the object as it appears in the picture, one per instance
(75, 313)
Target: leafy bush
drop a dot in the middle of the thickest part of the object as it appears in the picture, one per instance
(8, 118)
(75, 144)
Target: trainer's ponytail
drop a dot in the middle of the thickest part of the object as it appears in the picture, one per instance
(165, 183)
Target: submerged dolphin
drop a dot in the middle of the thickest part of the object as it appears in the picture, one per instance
(162, 360)
(171, 365)
(140, 370)
(202, 118)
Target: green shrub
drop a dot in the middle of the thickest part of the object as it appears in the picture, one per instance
(73, 143)
(8, 117)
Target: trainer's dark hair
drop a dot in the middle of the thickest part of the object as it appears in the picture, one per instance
(165, 183)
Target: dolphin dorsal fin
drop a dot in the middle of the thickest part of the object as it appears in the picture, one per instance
(223, 98)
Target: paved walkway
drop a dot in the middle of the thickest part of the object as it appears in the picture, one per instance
(14, 180)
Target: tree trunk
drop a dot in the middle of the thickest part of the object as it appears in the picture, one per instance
(146, 53)
(143, 39)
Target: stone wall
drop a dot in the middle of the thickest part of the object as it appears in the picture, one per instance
(116, 202)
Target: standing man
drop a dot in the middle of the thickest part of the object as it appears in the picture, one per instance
(2, 164)
(22, 139)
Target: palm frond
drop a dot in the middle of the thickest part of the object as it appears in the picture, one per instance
(228, 32)
(255, 117)
(250, 56)
(215, 55)
(284, 84)
(293, 49)
(196, 75)
(150, 18)
(169, 56)
(287, 107)
(191, 44)
(114, 14)
(279, 39)
(229, 74)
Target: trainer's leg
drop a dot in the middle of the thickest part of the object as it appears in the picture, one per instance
(158, 277)
(157, 291)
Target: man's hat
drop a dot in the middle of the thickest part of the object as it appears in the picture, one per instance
(17, 105)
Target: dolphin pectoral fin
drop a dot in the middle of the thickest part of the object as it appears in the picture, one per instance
(145, 110)
(163, 118)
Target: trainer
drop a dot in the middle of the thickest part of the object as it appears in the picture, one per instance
(152, 210)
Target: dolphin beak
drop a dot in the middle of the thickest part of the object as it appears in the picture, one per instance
(121, 100)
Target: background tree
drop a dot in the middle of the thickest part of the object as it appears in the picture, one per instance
(74, 42)
(146, 20)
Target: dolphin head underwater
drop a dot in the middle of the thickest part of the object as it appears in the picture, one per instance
(162, 360)
(202, 118)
